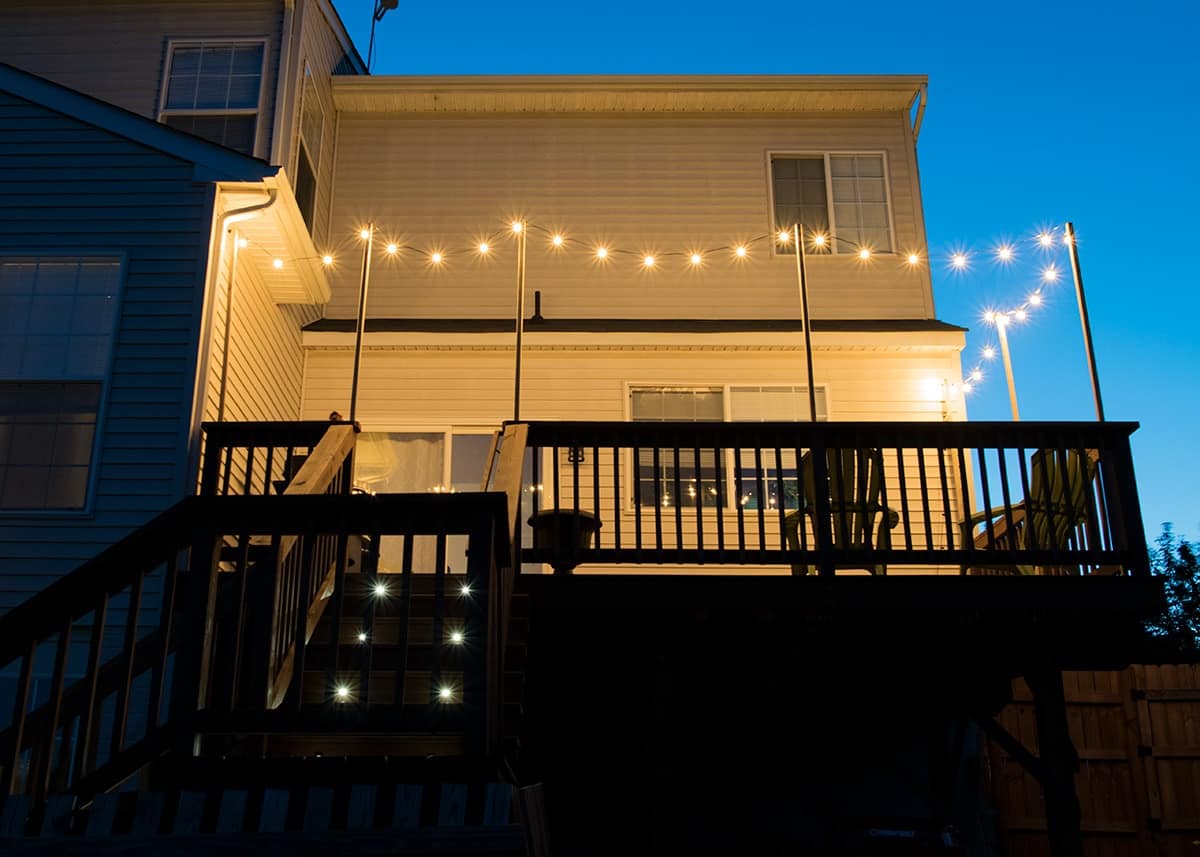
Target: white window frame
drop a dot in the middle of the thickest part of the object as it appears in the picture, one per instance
(256, 111)
(835, 250)
(630, 466)
(302, 148)
(103, 379)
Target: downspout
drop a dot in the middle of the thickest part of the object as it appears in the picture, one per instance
(228, 218)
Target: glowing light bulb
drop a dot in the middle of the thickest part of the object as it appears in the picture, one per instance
(364, 234)
(557, 240)
(914, 259)
(1035, 299)
(456, 637)
(277, 264)
(392, 249)
(818, 240)
(989, 317)
(601, 252)
(695, 259)
(958, 261)
(966, 387)
(1005, 253)
(1020, 315)
(989, 353)
(1045, 239)
(648, 261)
(380, 589)
(436, 258)
(864, 253)
(483, 247)
(445, 693)
(976, 375)
(362, 636)
(740, 251)
(464, 590)
(327, 260)
(517, 226)
(242, 243)
(342, 693)
(784, 236)
(1049, 274)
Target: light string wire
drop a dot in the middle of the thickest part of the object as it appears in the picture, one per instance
(959, 260)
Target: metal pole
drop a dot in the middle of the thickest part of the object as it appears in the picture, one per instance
(363, 283)
(802, 283)
(233, 265)
(520, 230)
(1001, 329)
(1083, 320)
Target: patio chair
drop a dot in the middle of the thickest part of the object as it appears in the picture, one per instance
(1048, 519)
(858, 518)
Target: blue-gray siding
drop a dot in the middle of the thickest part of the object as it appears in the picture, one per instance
(67, 188)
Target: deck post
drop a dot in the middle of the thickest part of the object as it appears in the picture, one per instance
(1059, 763)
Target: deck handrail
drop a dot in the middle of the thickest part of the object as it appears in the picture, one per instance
(745, 503)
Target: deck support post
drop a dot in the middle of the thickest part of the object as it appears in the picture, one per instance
(1059, 763)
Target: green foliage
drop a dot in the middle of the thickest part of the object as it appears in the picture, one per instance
(1177, 561)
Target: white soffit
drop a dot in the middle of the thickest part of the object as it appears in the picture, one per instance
(278, 232)
(627, 94)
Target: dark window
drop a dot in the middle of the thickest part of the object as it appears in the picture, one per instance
(47, 432)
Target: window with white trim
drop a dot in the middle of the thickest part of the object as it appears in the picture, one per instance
(308, 155)
(57, 323)
(767, 481)
(841, 196)
(214, 90)
(664, 480)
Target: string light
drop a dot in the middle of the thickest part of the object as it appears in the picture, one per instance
(446, 693)
(465, 590)
(392, 249)
(864, 253)
(958, 261)
(326, 260)
(364, 234)
(380, 589)
(517, 227)
(1050, 274)
(436, 258)
(457, 638)
(818, 240)
(342, 692)
(913, 259)
(557, 240)
(989, 353)
(696, 259)
(1005, 253)
(648, 261)
(483, 247)
(242, 243)
(362, 636)
(277, 264)
(740, 251)
(601, 252)
(784, 236)
(1045, 239)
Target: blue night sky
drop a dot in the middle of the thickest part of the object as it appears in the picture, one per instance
(1038, 113)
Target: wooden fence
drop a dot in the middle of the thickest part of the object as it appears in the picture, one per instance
(1137, 733)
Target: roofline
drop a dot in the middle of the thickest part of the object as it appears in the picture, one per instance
(637, 325)
(343, 35)
(217, 161)
(908, 86)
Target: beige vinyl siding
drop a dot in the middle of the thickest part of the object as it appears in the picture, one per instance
(652, 183)
(117, 51)
(266, 363)
(317, 45)
(410, 390)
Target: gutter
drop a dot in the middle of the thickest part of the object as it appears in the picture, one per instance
(217, 243)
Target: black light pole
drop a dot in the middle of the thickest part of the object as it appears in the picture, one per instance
(1083, 320)
(802, 283)
(368, 236)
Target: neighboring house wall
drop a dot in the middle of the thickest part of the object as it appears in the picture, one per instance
(70, 189)
(649, 183)
(118, 52)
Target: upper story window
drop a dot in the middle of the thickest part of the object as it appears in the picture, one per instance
(308, 156)
(841, 196)
(57, 322)
(214, 90)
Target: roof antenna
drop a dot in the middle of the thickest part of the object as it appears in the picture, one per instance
(382, 7)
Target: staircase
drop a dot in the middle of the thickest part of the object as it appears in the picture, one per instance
(242, 664)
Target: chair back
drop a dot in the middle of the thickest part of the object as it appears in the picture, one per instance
(1058, 495)
(854, 487)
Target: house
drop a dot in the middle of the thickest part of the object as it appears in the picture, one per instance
(208, 573)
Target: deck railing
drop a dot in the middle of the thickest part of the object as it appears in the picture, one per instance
(980, 498)
(311, 613)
